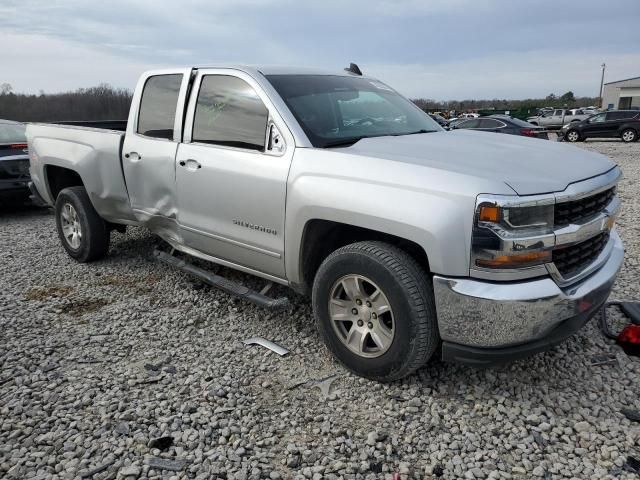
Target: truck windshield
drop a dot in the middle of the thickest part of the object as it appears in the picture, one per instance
(338, 110)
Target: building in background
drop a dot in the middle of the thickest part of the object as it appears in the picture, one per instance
(622, 95)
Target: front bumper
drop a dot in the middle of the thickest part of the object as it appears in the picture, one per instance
(483, 323)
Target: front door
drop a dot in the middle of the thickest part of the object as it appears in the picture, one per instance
(153, 133)
(232, 173)
(595, 126)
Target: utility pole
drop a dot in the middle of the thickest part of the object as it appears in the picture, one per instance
(602, 84)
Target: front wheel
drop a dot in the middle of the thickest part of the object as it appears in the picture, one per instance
(629, 135)
(375, 310)
(572, 136)
(83, 233)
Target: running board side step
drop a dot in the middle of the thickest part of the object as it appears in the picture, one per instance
(232, 288)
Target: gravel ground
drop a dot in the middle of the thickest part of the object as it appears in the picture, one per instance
(101, 362)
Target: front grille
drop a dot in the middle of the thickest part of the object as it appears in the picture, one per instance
(577, 210)
(14, 169)
(570, 260)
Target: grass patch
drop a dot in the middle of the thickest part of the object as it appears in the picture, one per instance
(42, 293)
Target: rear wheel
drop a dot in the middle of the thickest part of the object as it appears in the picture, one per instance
(374, 308)
(83, 233)
(629, 135)
(572, 136)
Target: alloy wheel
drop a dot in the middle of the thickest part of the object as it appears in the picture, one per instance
(573, 136)
(71, 227)
(361, 316)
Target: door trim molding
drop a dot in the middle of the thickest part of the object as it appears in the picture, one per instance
(233, 242)
(226, 263)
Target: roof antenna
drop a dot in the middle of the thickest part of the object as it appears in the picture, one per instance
(353, 68)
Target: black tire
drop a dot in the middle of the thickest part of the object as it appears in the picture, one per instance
(94, 243)
(410, 295)
(629, 135)
(573, 138)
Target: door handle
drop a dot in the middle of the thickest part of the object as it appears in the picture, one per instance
(190, 163)
(133, 156)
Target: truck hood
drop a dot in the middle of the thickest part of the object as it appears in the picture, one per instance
(529, 166)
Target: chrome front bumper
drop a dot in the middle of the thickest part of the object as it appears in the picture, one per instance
(491, 315)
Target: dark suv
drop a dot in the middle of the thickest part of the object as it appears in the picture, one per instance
(624, 124)
(14, 162)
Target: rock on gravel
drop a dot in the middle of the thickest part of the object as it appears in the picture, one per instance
(96, 360)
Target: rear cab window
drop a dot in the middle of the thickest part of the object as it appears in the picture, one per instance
(158, 106)
(229, 112)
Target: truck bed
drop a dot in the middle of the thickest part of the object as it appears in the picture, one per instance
(91, 150)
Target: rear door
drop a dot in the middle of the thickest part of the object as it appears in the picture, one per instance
(616, 121)
(154, 130)
(232, 172)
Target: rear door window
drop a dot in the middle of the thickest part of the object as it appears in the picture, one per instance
(158, 106)
(229, 112)
(621, 115)
(489, 123)
(469, 124)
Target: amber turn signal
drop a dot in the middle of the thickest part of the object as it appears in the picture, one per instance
(489, 214)
(515, 261)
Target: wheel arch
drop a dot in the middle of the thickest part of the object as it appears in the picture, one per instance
(58, 178)
(321, 237)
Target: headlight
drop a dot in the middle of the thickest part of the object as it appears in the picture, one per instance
(509, 237)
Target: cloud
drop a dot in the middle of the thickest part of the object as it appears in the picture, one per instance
(508, 75)
(435, 48)
(38, 62)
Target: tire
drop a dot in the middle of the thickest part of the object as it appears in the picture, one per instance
(83, 233)
(629, 135)
(403, 286)
(572, 136)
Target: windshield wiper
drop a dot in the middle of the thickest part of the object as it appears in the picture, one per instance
(414, 133)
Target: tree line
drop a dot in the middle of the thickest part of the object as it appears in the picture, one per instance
(566, 100)
(105, 102)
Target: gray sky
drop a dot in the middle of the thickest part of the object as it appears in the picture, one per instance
(441, 49)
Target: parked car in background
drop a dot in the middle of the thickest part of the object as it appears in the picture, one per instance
(469, 115)
(623, 124)
(558, 118)
(14, 162)
(443, 122)
(502, 124)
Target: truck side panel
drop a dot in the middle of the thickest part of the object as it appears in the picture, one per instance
(412, 209)
(94, 154)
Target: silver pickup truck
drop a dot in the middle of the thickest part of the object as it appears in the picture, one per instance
(559, 117)
(408, 238)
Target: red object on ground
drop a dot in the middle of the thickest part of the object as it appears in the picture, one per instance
(629, 339)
